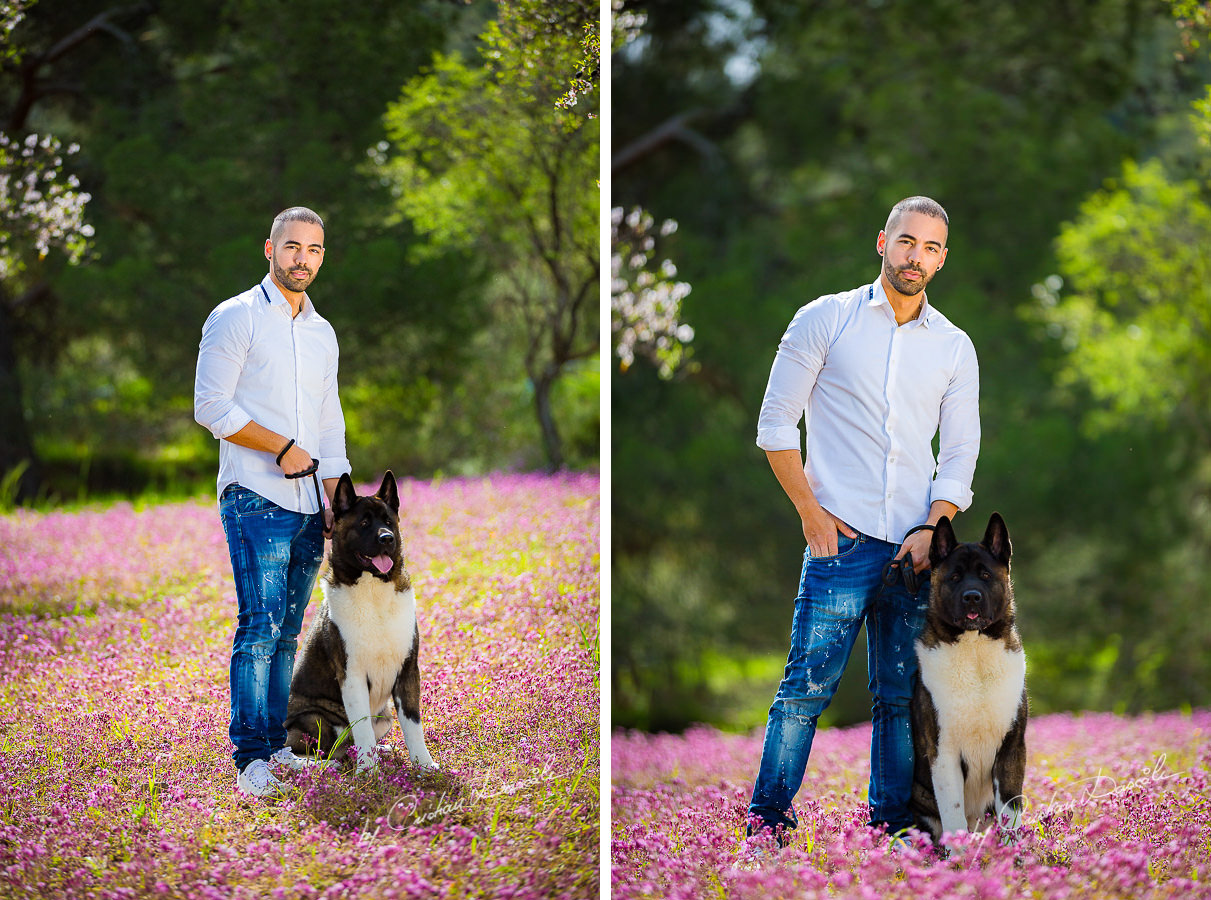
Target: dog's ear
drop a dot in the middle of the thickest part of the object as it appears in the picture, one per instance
(944, 541)
(996, 539)
(345, 496)
(388, 492)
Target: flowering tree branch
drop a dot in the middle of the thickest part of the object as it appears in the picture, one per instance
(645, 299)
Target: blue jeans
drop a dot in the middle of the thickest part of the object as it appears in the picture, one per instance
(836, 595)
(275, 557)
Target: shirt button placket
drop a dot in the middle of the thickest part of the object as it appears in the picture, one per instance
(893, 372)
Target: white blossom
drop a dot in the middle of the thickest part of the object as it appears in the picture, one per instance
(646, 301)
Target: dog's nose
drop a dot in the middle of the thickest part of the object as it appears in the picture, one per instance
(972, 597)
(386, 538)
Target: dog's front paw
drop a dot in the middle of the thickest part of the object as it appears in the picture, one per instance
(424, 760)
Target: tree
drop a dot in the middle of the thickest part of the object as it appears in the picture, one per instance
(493, 158)
(41, 210)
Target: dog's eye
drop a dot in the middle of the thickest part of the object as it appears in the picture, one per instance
(956, 576)
(985, 575)
(365, 523)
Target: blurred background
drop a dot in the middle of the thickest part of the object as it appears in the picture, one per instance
(145, 147)
(757, 148)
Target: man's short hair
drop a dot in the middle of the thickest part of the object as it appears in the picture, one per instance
(294, 214)
(918, 205)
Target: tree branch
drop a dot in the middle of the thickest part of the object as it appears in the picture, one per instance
(31, 92)
(674, 129)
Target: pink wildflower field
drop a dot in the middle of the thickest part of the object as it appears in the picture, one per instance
(1116, 807)
(116, 777)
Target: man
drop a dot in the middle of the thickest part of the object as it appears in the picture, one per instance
(267, 388)
(875, 372)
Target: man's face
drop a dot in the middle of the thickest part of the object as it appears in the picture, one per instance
(297, 255)
(913, 251)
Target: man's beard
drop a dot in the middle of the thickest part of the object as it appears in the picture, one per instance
(905, 287)
(291, 282)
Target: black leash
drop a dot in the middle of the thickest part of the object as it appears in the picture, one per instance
(315, 479)
(903, 568)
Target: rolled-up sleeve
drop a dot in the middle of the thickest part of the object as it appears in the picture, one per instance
(226, 337)
(959, 431)
(801, 354)
(333, 459)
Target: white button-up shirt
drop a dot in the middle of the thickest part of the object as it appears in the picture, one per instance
(873, 395)
(256, 363)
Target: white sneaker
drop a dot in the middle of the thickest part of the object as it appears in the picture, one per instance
(257, 781)
(286, 757)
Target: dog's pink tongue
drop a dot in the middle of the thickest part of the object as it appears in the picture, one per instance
(383, 563)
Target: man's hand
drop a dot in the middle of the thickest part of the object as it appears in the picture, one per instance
(329, 522)
(820, 529)
(296, 460)
(918, 545)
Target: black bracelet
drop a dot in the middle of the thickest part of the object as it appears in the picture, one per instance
(915, 529)
(284, 449)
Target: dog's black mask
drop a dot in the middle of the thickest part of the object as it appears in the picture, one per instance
(971, 586)
(366, 529)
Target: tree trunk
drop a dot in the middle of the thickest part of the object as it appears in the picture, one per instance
(546, 420)
(16, 448)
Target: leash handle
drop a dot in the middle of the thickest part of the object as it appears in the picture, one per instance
(315, 479)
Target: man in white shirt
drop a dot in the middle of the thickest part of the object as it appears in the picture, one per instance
(266, 387)
(875, 372)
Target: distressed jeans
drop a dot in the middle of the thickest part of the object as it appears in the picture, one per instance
(836, 595)
(275, 557)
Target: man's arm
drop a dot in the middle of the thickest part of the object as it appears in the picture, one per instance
(256, 437)
(820, 527)
(797, 364)
(959, 445)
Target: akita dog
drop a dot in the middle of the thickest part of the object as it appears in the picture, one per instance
(360, 654)
(969, 707)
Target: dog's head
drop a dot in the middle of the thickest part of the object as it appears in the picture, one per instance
(365, 533)
(971, 589)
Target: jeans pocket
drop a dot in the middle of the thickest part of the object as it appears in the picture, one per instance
(239, 501)
(845, 546)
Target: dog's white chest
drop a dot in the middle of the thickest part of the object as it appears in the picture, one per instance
(976, 684)
(377, 625)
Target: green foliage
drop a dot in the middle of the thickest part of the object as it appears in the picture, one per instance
(1135, 313)
(485, 160)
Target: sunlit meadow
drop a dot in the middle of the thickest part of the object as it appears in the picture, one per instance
(1117, 807)
(115, 771)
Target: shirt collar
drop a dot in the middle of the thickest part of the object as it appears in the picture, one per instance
(878, 297)
(276, 297)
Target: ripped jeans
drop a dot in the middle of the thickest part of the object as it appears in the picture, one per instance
(275, 557)
(836, 595)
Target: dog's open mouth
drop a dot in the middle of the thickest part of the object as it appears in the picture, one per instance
(382, 562)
